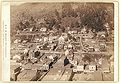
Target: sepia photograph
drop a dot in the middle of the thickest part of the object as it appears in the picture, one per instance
(62, 41)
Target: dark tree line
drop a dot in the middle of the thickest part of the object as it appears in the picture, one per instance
(91, 15)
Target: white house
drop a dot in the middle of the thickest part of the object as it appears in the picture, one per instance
(17, 41)
(75, 69)
(101, 34)
(66, 52)
(43, 29)
(61, 40)
(70, 46)
(16, 57)
(92, 66)
(31, 29)
(46, 39)
(80, 68)
(25, 51)
(72, 32)
(84, 30)
(51, 57)
(45, 66)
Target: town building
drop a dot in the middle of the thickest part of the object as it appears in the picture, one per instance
(61, 40)
(92, 66)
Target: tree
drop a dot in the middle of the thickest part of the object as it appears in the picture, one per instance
(94, 16)
(67, 10)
